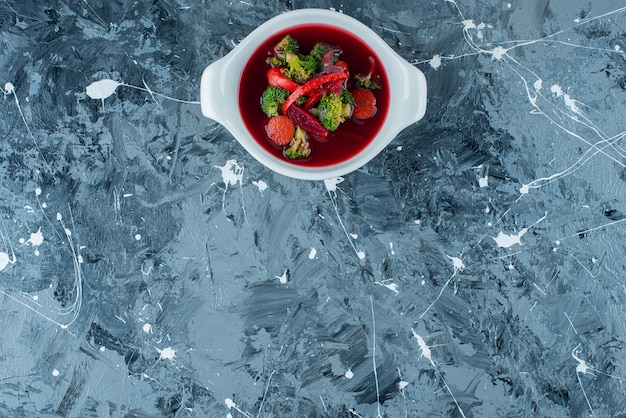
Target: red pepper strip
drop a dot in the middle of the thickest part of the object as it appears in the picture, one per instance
(276, 78)
(306, 121)
(314, 98)
(310, 86)
(343, 65)
(334, 87)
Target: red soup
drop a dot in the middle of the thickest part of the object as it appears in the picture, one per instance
(353, 135)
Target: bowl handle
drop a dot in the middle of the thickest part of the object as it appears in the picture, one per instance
(412, 102)
(213, 90)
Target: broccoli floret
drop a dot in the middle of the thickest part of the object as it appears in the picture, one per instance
(272, 100)
(332, 110)
(365, 80)
(300, 68)
(299, 145)
(346, 97)
(286, 46)
(319, 50)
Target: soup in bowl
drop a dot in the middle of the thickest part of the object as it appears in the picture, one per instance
(231, 89)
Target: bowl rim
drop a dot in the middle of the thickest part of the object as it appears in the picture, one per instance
(226, 109)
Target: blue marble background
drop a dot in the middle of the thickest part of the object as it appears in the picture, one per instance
(149, 267)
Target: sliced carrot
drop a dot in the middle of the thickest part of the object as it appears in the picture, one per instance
(364, 104)
(280, 129)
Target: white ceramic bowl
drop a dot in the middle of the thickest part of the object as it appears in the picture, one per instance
(219, 92)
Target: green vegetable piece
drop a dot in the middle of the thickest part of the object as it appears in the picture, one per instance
(299, 146)
(318, 51)
(272, 100)
(300, 68)
(333, 110)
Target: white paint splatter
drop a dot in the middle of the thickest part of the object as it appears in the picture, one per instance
(232, 174)
(167, 353)
(232, 405)
(389, 285)
(261, 185)
(147, 328)
(506, 241)
(483, 181)
(435, 61)
(4, 260)
(102, 89)
(402, 384)
(498, 52)
(312, 253)
(457, 262)
(349, 374)
(282, 279)
(331, 184)
(36, 238)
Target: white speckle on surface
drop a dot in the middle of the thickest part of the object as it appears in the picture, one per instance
(282, 279)
(147, 328)
(505, 240)
(4, 260)
(59, 217)
(261, 185)
(37, 191)
(36, 238)
(331, 184)
(312, 253)
(55, 372)
(349, 374)
(138, 237)
(498, 52)
(457, 263)
(232, 172)
(100, 90)
(435, 61)
(483, 181)
(8, 88)
(402, 384)
(538, 84)
(361, 255)
(167, 353)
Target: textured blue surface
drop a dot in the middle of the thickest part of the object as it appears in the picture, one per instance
(149, 267)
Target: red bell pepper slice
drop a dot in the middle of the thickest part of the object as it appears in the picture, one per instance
(276, 78)
(314, 98)
(310, 86)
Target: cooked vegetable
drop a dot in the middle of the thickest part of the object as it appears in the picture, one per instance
(307, 97)
(285, 46)
(300, 68)
(299, 145)
(365, 81)
(273, 99)
(320, 49)
(364, 104)
(276, 78)
(280, 129)
(301, 117)
(332, 111)
(309, 87)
